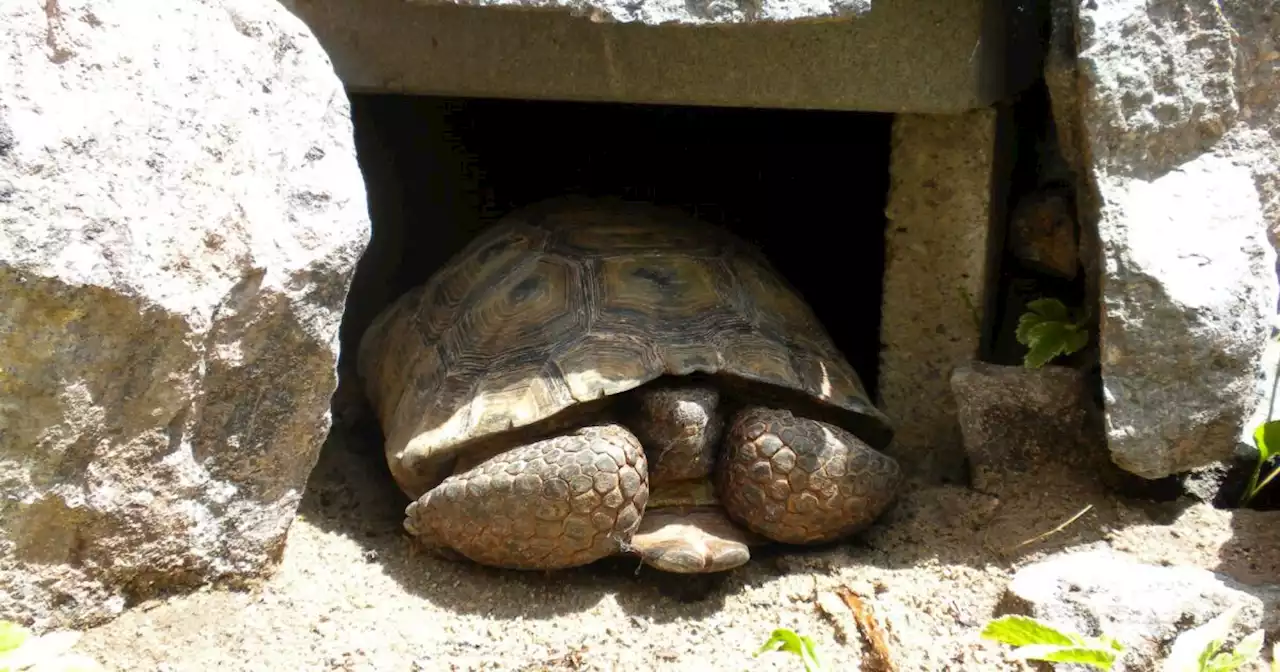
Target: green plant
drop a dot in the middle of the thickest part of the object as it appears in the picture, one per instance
(1048, 329)
(1267, 438)
(1196, 650)
(20, 651)
(1200, 649)
(783, 639)
(1036, 640)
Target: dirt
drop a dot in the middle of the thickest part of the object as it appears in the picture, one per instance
(351, 593)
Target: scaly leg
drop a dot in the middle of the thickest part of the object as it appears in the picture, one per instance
(561, 502)
(684, 529)
(801, 481)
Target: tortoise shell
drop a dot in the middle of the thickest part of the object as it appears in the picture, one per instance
(573, 300)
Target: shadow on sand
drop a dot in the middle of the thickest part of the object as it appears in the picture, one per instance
(351, 493)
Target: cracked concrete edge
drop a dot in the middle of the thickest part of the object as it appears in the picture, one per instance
(682, 12)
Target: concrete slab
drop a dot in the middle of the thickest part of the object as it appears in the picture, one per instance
(936, 56)
(682, 12)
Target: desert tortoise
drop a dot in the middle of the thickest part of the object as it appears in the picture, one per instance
(590, 376)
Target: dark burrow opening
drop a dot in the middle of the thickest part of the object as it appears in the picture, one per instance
(807, 187)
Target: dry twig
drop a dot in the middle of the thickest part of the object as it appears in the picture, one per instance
(879, 658)
(1053, 531)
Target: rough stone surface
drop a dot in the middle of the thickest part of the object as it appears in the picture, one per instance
(1019, 423)
(1178, 100)
(1042, 232)
(871, 61)
(182, 213)
(1143, 606)
(935, 277)
(682, 12)
(1062, 77)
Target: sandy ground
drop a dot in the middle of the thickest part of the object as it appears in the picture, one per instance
(352, 595)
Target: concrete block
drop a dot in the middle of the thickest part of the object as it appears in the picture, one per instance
(934, 56)
(935, 280)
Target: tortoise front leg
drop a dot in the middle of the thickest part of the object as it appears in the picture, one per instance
(561, 502)
(801, 481)
(679, 427)
(684, 530)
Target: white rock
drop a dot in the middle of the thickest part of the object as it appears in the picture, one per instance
(1145, 607)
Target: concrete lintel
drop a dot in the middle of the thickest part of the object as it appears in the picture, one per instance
(933, 56)
(683, 12)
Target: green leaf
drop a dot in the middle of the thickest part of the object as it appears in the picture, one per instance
(1103, 659)
(783, 639)
(12, 636)
(1075, 340)
(1026, 631)
(1026, 323)
(1047, 330)
(1048, 340)
(1267, 438)
(1249, 649)
(1193, 649)
(1050, 309)
(1037, 640)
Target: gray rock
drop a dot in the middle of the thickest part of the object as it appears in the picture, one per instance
(1020, 425)
(185, 214)
(1222, 483)
(1143, 606)
(1061, 76)
(1042, 232)
(1181, 162)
